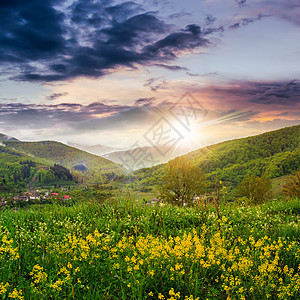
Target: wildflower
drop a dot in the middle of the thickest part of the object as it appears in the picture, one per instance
(3, 288)
(15, 294)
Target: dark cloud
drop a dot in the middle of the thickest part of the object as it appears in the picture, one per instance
(188, 39)
(284, 93)
(241, 3)
(155, 84)
(30, 31)
(209, 20)
(179, 15)
(144, 101)
(245, 21)
(51, 41)
(171, 67)
(56, 96)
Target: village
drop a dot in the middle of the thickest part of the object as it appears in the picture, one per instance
(34, 196)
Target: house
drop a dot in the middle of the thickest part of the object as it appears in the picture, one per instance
(54, 194)
(35, 195)
(66, 197)
(153, 202)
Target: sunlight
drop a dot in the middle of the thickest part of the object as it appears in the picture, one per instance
(193, 138)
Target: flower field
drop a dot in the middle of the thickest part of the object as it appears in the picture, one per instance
(122, 250)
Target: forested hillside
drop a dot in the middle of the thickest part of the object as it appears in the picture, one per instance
(83, 165)
(19, 171)
(276, 153)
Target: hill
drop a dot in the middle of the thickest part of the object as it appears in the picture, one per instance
(99, 150)
(18, 171)
(276, 153)
(145, 157)
(5, 138)
(136, 158)
(84, 166)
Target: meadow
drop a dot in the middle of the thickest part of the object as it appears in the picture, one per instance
(125, 250)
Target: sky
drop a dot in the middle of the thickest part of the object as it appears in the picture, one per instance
(147, 72)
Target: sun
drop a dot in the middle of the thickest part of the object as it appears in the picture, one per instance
(194, 138)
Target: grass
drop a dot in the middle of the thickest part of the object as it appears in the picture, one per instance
(124, 250)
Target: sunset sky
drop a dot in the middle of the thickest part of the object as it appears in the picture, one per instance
(108, 72)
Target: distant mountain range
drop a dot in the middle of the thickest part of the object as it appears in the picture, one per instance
(99, 150)
(144, 157)
(135, 158)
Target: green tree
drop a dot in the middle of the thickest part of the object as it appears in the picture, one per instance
(255, 189)
(181, 182)
(292, 187)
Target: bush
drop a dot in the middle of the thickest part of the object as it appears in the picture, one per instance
(255, 189)
(292, 187)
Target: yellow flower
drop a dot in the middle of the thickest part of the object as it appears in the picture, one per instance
(16, 294)
(3, 287)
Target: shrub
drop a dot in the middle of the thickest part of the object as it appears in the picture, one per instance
(255, 189)
(292, 187)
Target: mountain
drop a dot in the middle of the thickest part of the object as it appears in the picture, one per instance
(276, 153)
(137, 158)
(145, 157)
(18, 170)
(6, 138)
(99, 150)
(84, 166)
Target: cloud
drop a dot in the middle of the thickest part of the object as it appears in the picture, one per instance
(188, 39)
(144, 101)
(30, 31)
(55, 40)
(155, 84)
(246, 21)
(241, 3)
(287, 10)
(126, 119)
(44, 116)
(202, 75)
(56, 96)
(283, 93)
(171, 67)
(179, 15)
(209, 20)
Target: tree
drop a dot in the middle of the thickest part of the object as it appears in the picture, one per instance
(181, 182)
(292, 187)
(255, 189)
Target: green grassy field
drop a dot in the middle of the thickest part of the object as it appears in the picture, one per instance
(124, 250)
